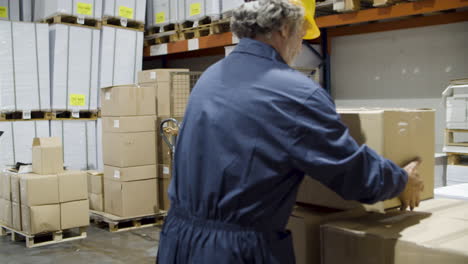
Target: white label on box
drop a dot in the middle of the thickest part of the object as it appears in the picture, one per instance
(27, 114)
(166, 170)
(108, 95)
(235, 39)
(123, 21)
(76, 113)
(116, 123)
(193, 44)
(160, 49)
(80, 20)
(117, 174)
(153, 75)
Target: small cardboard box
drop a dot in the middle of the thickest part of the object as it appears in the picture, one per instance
(39, 219)
(96, 202)
(6, 212)
(5, 185)
(129, 199)
(126, 124)
(128, 101)
(16, 217)
(129, 149)
(15, 188)
(438, 235)
(397, 134)
(130, 173)
(74, 214)
(47, 155)
(73, 186)
(39, 189)
(95, 182)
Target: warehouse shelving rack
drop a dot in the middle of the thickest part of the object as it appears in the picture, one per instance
(399, 16)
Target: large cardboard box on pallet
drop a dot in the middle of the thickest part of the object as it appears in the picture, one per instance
(399, 135)
(129, 9)
(25, 78)
(129, 199)
(41, 218)
(16, 216)
(169, 103)
(83, 8)
(130, 173)
(47, 156)
(6, 212)
(436, 233)
(129, 149)
(127, 124)
(95, 182)
(5, 185)
(304, 224)
(121, 56)
(73, 186)
(74, 214)
(96, 202)
(39, 189)
(129, 100)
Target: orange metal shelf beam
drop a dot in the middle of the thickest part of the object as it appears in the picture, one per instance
(395, 11)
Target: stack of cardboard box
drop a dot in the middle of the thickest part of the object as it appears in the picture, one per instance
(96, 190)
(170, 104)
(399, 135)
(130, 150)
(49, 199)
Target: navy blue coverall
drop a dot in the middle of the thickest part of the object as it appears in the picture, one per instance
(253, 127)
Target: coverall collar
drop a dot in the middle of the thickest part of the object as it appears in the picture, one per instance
(258, 48)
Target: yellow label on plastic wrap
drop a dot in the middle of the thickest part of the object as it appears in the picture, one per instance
(77, 99)
(3, 12)
(195, 9)
(160, 17)
(126, 12)
(84, 9)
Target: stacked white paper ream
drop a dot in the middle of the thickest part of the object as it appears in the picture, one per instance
(100, 161)
(457, 174)
(16, 142)
(121, 56)
(458, 192)
(10, 10)
(79, 143)
(24, 67)
(229, 5)
(74, 67)
(130, 9)
(456, 100)
(26, 12)
(180, 15)
(149, 20)
(161, 13)
(83, 8)
(198, 9)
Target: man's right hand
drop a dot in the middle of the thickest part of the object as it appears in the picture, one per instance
(412, 193)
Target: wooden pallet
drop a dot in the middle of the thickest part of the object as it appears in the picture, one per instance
(25, 116)
(449, 138)
(123, 23)
(73, 20)
(459, 159)
(162, 29)
(328, 7)
(44, 239)
(67, 115)
(215, 27)
(120, 224)
(161, 38)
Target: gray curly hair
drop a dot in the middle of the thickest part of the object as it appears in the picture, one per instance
(264, 17)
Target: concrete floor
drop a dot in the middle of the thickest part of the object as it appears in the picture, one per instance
(99, 247)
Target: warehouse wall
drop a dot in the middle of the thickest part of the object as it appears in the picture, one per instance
(404, 68)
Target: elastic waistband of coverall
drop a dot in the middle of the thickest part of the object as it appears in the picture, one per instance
(181, 214)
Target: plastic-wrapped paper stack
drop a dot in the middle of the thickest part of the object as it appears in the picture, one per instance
(198, 9)
(10, 10)
(129, 9)
(84, 8)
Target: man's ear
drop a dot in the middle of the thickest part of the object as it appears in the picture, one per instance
(284, 31)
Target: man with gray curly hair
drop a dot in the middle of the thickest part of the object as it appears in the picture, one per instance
(253, 127)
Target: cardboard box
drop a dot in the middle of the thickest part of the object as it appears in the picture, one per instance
(16, 216)
(15, 188)
(6, 213)
(422, 237)
(73, 186)
(398, 135)
(157, 75)
(96, 202)
(5, 185)
(128, 199)
(39, 189)
(74, 67)
(74, 214)
(47, 155)
(121, 56)
(129, 149)
(304, 224)
(130, 173)
(125, 124)
(164, 201)
(128, 101)
(39, 219)
(95, 182)
(80, 156)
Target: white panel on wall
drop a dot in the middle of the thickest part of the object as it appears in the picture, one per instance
(23, 133)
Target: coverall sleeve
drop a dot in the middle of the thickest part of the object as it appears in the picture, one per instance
(323, 148)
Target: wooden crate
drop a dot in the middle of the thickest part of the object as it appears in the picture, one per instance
(114, 223)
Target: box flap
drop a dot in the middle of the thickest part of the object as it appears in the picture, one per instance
(47, 142)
